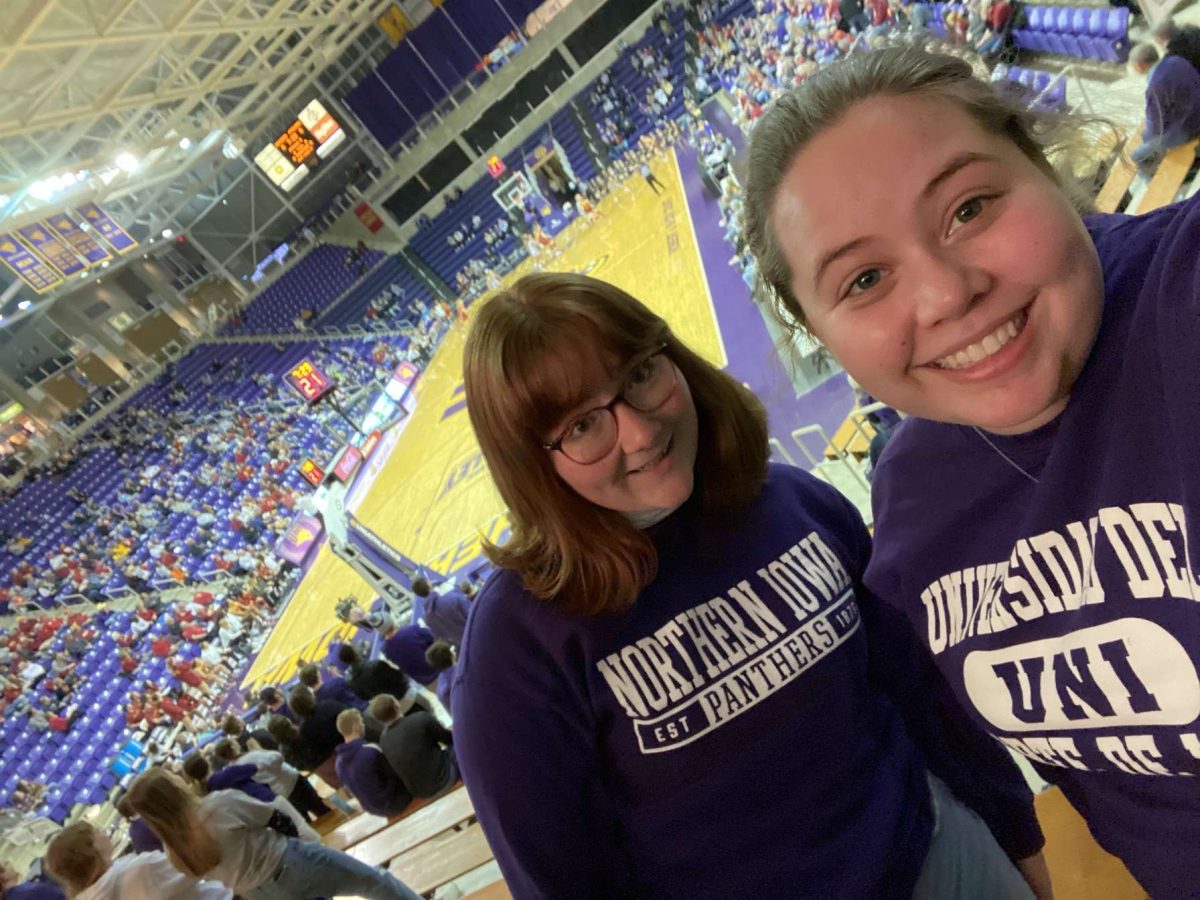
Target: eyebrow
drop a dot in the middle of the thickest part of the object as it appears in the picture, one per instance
(956, 164)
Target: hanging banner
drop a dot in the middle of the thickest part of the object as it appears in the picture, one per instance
(26, 266)
(114, 235)
(299, 539)
(395, 24)
(47, 245)
(78, 239)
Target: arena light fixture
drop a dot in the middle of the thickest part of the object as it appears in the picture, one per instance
(4, 198)
(185, 143)
(127, 162)
(168, 233)
(24, 305)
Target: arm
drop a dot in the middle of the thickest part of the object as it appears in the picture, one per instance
(438, 732)
(537, 785)
(973, 765)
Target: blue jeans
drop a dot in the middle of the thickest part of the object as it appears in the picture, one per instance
(314, 870)
(964, 861)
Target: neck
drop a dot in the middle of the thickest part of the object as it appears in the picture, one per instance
(1049, 414)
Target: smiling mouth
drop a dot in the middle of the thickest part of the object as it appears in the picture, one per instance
(657, 459)
(975, 353)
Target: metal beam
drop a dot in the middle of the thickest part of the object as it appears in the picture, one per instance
(67, 42)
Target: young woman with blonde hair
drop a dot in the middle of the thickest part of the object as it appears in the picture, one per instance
(1033, 515)
(675, 685)
(249, 846)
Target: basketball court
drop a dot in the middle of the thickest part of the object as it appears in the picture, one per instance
(432, 499)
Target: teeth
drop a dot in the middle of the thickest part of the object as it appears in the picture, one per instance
(654, 462)
(980, 351)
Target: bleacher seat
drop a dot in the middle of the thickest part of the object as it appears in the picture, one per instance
(1084, 32)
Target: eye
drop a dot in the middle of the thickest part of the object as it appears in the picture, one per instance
(864, 281)
(969, 210)
(583, 424)
(642, 372)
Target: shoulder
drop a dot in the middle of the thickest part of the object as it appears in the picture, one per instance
(512, 641)
(1131, 247)
(1175, 68)
(920, 460)
(793, 484)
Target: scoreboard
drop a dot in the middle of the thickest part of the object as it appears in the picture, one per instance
(312, 472)
(308, 381)
(289, 158)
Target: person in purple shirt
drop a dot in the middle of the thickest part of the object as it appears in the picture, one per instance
(445, 614)
(406, 648)
(365, 771)
(1172, 102)
(12, 888)
(326, 687)
(142, 838)
(442, 656)
(710, 704)
(1034, 515)
(272, 702)
(235, 777)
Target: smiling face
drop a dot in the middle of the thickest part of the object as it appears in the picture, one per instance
(651, 465)
(945, 270)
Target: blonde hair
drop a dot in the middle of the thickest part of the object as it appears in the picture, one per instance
(384, 708)
(349, 721)
(170, 810)
(524, 363)
(798, 116)
(73, 859)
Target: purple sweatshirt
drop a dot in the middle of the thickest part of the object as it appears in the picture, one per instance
(364, 770)
(1064, 612)
(406, 648)
(336, 689)
(1173, 101)
(739, 732)
(240, 778)
(446, 615)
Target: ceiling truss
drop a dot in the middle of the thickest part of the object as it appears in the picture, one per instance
(88, 80)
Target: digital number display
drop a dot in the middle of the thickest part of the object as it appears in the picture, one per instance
(309, 382)
(312, 473)
(314, 135)
(297, 143)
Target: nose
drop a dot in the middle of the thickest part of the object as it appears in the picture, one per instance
(636, 431)
(948, 286)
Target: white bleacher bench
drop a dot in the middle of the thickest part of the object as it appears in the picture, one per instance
(442, 859)
(410, 832)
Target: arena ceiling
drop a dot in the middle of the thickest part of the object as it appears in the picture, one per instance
(89, 84)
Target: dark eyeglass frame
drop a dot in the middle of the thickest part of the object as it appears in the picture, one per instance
(608, 407)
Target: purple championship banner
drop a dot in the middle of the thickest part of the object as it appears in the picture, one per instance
(78, 239)
(300, 538)
(26, 266)
(46, 244)
(114, 235)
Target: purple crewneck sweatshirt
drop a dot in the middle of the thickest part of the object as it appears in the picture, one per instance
(1173, 101)
(365, 772)
(739, 732)
(1066, 613)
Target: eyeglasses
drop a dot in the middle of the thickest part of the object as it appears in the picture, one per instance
(591, 437)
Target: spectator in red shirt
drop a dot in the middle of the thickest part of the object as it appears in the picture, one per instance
(128, 663)
(162, 646)
(195, 632)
